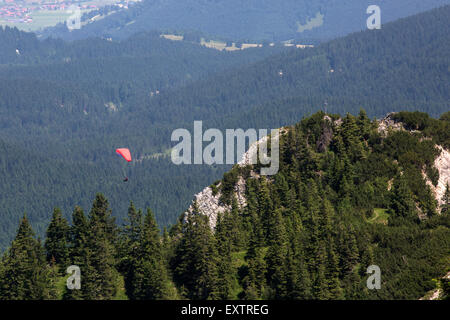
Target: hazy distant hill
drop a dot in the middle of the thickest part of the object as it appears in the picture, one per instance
(404, 66)
(252, 19)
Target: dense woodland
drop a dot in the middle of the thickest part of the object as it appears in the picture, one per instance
(70, 105)
(66, 105)
(249, 20)
(346, 197)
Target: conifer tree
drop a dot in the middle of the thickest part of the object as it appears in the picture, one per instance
(402, 203)
(334, 283)
(349, 254)
(100, 275)
(167, 246)
(25, 274)
(195, 262)
(234, 222)
(276, 257)
(128, 246)
(255, 280)
(252, 215)
(78, 251)
(298, 281)
(445, 207)
(56, 242)
(367, 259)
(148, 268)
(321, 286)
(224, 235)
(78, 235)
(364, 124)
(265, 209)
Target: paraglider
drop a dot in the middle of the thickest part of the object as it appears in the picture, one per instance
(126, 154)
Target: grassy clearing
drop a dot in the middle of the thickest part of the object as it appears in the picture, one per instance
(380, 215)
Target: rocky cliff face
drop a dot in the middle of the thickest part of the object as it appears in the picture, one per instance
(209, 203)
(438, 293)
(388, 123)
(442, 164)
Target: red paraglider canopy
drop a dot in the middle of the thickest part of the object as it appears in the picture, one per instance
(124, 152)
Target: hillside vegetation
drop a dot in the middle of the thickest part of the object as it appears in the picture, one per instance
(240, 20)
(308, 232)
(75, 103)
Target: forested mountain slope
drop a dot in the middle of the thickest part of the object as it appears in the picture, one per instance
(61, 110)
(251, 19)
(350, 193)
(94, 81)
(66, 105)
(404, 66)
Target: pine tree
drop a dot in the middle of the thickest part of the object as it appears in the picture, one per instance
(367, 259)
(100, 276)
(195, 262)
(255, 281)
(282, 189)
(265, 209)
(321, 287)
(149, 274)
(25, 274)
(47, 278)
(312, 222)
(348, 249)
(78, 235)
(276, 257)
(56, 242)
(167, 246)
(224, 236)
(79, 252)
(402, 203)
(255, 227)
(129, 244)
(334, 283)
(351, 137)
(297, 274)
(364, 124)
(234, 222)
(298, 278)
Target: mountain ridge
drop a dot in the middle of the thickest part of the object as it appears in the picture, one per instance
(208, 202)
(254, 20)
